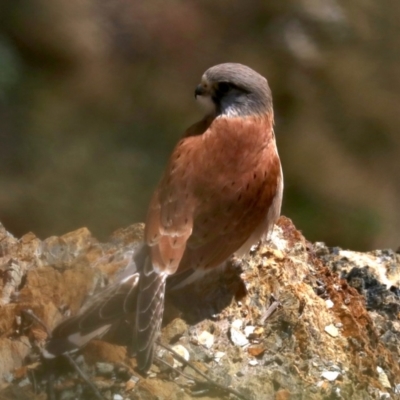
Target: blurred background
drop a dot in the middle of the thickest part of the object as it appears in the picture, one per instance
(94, 95)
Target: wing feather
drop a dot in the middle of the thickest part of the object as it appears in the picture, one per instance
(96, 318)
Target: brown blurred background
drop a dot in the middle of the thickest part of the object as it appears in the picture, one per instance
(94, 94)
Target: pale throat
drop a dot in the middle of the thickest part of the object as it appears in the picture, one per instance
(206, 103)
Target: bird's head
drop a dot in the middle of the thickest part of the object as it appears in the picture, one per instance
(234, 90)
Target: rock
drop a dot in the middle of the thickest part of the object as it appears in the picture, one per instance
(330, 375)
(329, 303)
(383, 378)
(332, 330)
(238, 338)
(183, 352)
(298, 348)
(206, 339)
(104, 369)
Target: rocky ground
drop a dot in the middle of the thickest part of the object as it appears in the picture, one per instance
(294, 320)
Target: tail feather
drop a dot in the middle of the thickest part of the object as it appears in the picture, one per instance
(136, 299)
(96, 318)
(150, 308)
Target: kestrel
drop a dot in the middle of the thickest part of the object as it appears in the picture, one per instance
(221, 193)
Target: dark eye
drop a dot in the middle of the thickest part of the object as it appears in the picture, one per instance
(224, 87)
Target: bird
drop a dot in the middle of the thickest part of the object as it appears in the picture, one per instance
(220, 194)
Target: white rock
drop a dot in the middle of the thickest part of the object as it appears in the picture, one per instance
(249, 330)
(383, 378)
(238, 338)
(330, 375)
(329, 303)
(237, 324)
(276, 238)
(206, 339)
(183, 352)
(332, 330)
(218, 355)
(253, 363)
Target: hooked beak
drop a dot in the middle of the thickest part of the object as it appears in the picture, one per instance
(200, 91)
